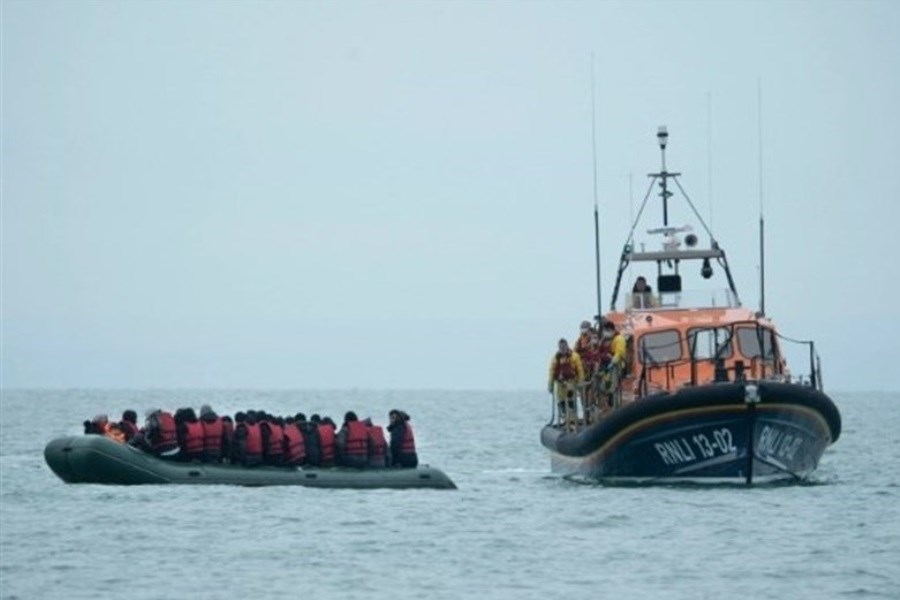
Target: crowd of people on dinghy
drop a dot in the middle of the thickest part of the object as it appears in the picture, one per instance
(255, 437)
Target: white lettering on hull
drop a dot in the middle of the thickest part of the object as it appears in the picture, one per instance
(681, 450)
(778, 443)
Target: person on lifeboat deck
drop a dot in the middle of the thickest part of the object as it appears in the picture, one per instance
(642, 295)
(566, 373)
(587, 347)
(612, 360)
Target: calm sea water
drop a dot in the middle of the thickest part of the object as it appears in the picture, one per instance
(511, 530)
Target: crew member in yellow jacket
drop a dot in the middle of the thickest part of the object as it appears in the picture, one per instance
(612, 361)
(566, 372)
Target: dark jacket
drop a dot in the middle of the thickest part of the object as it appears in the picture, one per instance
(403, 452)
(311, 441)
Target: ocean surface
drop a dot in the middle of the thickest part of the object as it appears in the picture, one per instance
(511, 530)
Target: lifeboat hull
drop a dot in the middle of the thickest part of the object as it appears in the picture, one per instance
(97, 459)
(749, 433)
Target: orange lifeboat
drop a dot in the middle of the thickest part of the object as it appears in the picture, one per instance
(705, 393)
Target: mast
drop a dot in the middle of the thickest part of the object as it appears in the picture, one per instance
(709, 165)
(596, 210)
(663, 136)
(762, 239)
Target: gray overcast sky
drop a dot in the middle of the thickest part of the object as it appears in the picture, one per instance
(399, 194)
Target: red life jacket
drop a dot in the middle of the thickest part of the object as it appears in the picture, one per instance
(564, 368)
(326, 443)
(193, 439)
(168, 434)
(253, 443)
(377, 446)
(294, 445)
(275, 443)
(588, 351)
(212, 436)
(605, 351)
(357, 439)
(583, 344)
(409, 441)
(129, 428)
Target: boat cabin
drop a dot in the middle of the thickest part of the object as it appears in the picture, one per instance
(687, 335)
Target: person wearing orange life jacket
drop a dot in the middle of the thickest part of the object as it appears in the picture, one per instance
(377, 446)
(190, 435)
(403, 442)
(353, 442)
(588, 349)
(159, 435)
(294, 444)
(565, 374)
(327, 446)
(100, 425)
(272, 429)
(248, 443)
(129, 425)
(214, 435)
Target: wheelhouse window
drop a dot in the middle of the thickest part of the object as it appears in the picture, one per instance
(660, 347)
(710, 343)
(749, 342)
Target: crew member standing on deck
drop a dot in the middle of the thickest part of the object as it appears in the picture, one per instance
(612, 360)
(587, 347)
(566, 372)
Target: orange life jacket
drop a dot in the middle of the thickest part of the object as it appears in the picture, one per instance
(326, 444)
(212, 437)
(275, 443)
(409, 441)
(114, 433)
(168, 434)
(294, 445)
(129, 429)
(357, 443)
(193, 439)
(253, 447)
(377, 446)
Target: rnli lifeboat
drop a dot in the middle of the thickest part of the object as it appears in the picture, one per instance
(704, 394)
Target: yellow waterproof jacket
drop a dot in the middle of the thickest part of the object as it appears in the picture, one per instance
(566, 367)
(617, 349)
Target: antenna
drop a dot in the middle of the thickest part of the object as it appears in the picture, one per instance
(762, 239)
(631, 208)
(709, 181)
(596, 211)
(631, 197)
